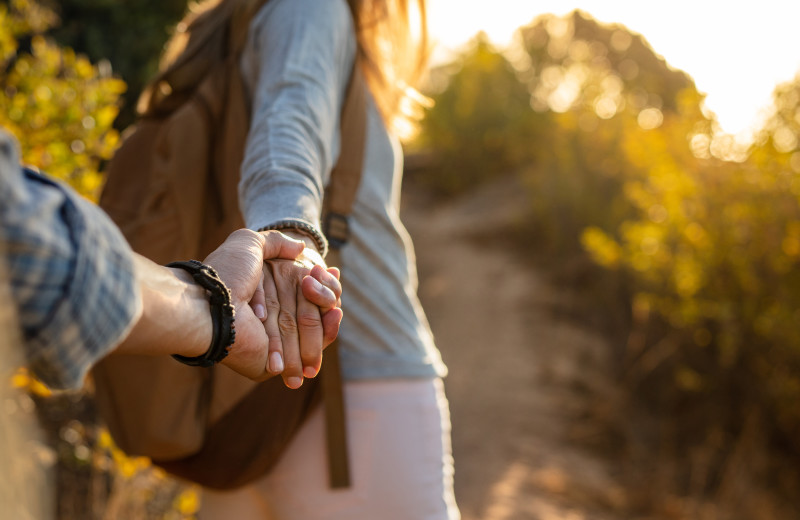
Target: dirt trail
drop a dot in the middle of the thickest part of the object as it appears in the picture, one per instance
(517, 373)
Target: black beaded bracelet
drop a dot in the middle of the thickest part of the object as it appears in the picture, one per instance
(222, 314)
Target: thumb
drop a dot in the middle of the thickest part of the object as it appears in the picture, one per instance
(278, 245)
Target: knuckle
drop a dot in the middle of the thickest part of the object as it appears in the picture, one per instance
(243, 232)
(245, 235)
(287, 322)
(288, 269)
(271, 303)
(309, 320)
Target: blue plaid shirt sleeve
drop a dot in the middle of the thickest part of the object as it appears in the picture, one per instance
(71, 273)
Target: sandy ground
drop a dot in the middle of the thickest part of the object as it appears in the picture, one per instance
(518, 375)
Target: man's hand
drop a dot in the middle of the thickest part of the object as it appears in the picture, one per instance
(239, 262)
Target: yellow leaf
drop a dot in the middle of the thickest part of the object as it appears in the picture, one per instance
(188, 502)
(604, 250)
(23, 379)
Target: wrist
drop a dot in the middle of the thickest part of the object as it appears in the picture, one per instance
(302, 230)
(175, 314)
(220, 309)
(194, 340)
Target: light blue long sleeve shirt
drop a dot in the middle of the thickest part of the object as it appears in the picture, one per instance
(296, 66)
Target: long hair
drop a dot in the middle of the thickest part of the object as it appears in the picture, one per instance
(393, 55)
(200, 41)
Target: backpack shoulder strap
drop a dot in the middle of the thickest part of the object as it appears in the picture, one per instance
(346, 175)
(239, 26)
(339, 198)
(204, 38)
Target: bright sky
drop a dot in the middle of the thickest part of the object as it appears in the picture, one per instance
(737, 52)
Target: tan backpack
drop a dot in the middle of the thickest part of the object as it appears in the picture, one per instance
(172, 189)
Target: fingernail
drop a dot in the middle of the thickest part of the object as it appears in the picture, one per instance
(294, 382)
(275, 363)
(261, 312)
(310, 372)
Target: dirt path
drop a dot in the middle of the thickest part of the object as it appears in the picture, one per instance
(517, 374)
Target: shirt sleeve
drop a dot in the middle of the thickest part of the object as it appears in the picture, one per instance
(297, 64)
(71, 273)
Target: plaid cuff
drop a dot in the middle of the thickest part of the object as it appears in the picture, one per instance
(76, 283)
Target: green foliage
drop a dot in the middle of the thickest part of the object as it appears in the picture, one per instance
(61, 108)
(709, 247)
(573, 60)
(601, 89)
(712, 248)
(479, 126)
(130, 35)
(624, 166)
(57, 103)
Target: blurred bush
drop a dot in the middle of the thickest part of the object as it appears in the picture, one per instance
(58, 104)
(701, 237)
(711, 247)
(129, 34)
(479, 124)
(61, 107)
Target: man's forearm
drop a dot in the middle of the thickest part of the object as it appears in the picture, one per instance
(175, 319)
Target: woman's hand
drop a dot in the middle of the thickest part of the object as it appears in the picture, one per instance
(302, 301)
(240, 262)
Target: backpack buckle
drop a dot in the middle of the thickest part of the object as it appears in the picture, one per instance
(337, 230)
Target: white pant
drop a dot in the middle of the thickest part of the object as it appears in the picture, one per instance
(400, 461)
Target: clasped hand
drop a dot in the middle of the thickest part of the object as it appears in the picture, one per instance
(302, 299)
(285, 298)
